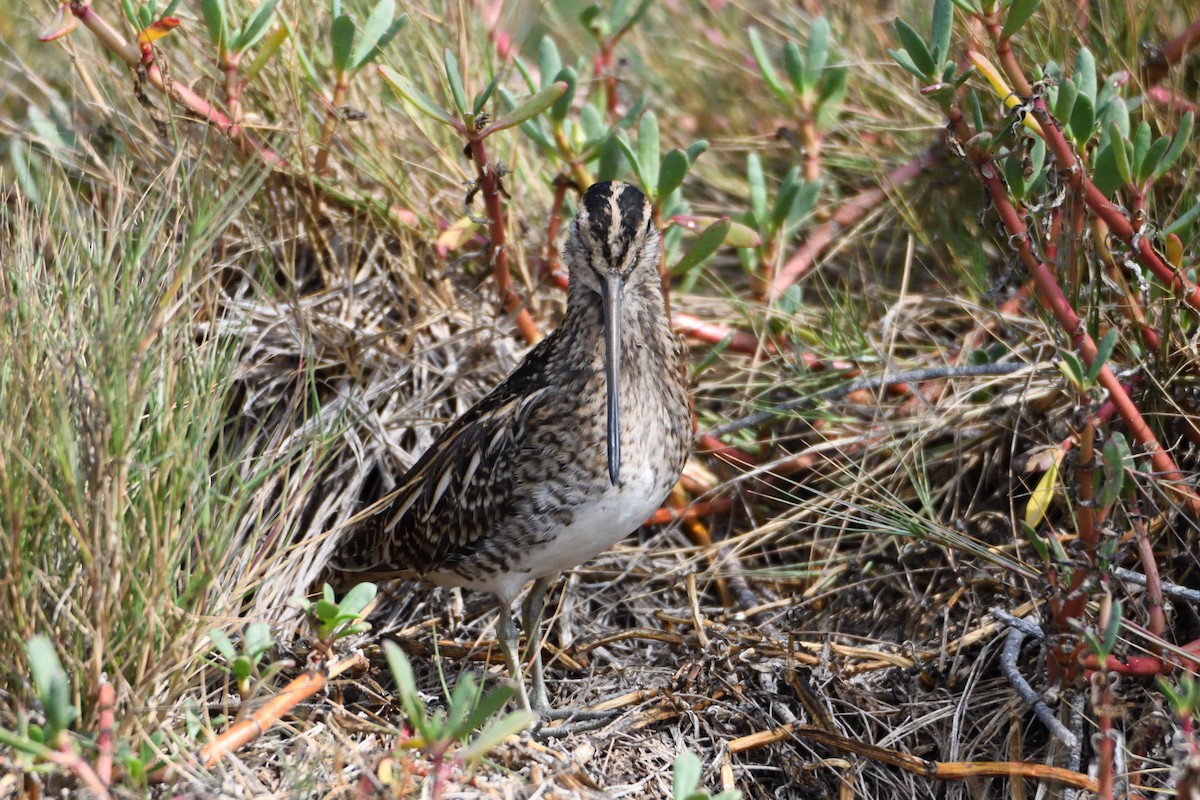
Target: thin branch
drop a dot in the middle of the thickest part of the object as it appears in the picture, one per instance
(870, 384)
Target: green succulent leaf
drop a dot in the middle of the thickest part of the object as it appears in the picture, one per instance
(418, 99)
(613, 154)
(258, 640)
(1018, 14)
(216, 21)
(766, 68)
(1116, 112)
(494, 734)
(1103, 352)
(549, 61)
(832, 90)
(530, 107)
(256, 26)
(1065, 101)
(758, 190)
(918, 51)
(703, 247)
(1118, 462)
(223, 644)
(817, 53)
(341, 40)
(1106, 174)
(371, 46)
(648, 151)
(902, 58)
(793, 62)
(562, 106)
(482, 98)
(53, 688)
(454, 78)
(1178, 143)
(1071, 368)
(358, 598)
(488, 706)
(939, 38)
(1117, 144)
(1083, 119)
(1154, 155)
(674, 168)
(1085, 74)
(685, 774)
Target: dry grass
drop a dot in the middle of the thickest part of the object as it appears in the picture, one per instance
(205, 369)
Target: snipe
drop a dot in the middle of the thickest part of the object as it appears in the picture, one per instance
(573, 451)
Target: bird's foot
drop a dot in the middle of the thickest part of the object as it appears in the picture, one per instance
(570, 721)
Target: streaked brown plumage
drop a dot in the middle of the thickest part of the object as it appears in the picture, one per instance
(535, 479)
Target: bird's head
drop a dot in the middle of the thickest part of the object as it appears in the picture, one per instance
(613, 243)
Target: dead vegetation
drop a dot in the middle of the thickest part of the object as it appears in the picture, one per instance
(210, 362)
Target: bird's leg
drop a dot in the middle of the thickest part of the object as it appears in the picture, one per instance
(531, 621)
(509, 638)
(580, 721)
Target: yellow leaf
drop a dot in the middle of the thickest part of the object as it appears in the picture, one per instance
(158, 30)
(1001, 89)
(456, 236)
(1042, 497)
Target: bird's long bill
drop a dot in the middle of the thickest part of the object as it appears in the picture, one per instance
(612, 289)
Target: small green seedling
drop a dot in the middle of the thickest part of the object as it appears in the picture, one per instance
(332, 620)
(685, 780)
(816, 89)
(244, 665)
(467, 710)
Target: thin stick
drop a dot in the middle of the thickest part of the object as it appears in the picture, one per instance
(300, 689)
(489, 186)
(942, 771)
(104, 738)
(837, 392)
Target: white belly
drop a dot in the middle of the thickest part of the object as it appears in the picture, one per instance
(596, 527)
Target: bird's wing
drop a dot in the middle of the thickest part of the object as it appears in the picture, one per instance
(445, 506)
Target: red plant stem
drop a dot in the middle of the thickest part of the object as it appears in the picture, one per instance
(233, 86)
(714, 446)
(66, 757)
(664, 274)
(1154, 606)
(331, 115)
(1102, 704)
(764, 278)
(812, 139)
(132, 56)
(1171, 53)
(550, 262)
(1133, 667)
(1078, 180)
(104, 738)
(847, 214)
(1055, 301)
(1072, 607)
(1112, 216)
(602, 67)
(702, 508)
(1133, 306)
(1004, 55)
(489, 186)
(301, 688)
(1172, 100)
(715, 333)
